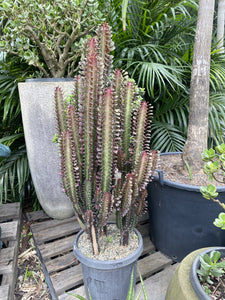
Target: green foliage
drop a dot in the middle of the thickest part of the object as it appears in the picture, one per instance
(220, 221)
(209, 191)
(209, 266)
(106, 160)
(157, 49)
(15, 179)
(48, 34)
(215, 168)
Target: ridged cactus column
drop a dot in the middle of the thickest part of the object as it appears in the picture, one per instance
(105, 157)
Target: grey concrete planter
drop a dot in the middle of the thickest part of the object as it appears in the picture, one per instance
(180, 287)
(38, 114)
(108, 280)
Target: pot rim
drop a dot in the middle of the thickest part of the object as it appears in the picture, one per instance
(51, 79)
(109, 264)
(187, 187)
(193, 273)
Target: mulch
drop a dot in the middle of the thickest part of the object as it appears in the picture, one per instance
(31, 284)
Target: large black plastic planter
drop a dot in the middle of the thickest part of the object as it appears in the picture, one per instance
(108, 280)
(181, 220)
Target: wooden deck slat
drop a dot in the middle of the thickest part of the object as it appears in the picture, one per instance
(39, 215)
(10, 225)
(157, 284)
(6, 255)
(152, 264)
(4, 292)
(9, 231)
(54, 241)
(57, 247)
(58, 231)
(67, 279)
(36, 227)
(60, 262)
(9, 211)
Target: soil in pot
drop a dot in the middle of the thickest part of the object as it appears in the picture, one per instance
(109, 245)
(172, 166)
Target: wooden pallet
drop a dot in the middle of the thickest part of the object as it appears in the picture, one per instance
(54, 242)
(10, 222)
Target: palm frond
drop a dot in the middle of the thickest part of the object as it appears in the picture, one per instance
(166, 137)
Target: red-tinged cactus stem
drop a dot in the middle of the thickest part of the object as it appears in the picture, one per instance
(77, 87)
(106, 45)
(140, 169)
(106, 207)
(68, 172)
(60, 111)
(140, 129)
(127, 193)
(118, 105)
(90, 77)
(107, 141)
(88, 194)
(128, 96)
(73, 126)
(141, 205)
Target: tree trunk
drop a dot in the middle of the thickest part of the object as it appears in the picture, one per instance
(220, 24)
(199, 90)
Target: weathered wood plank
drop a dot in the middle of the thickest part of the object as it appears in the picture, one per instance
(9, 231)
(9, 211)
(4, 292)
(68, 296)
(61, 262)
(56, 232)
(36, 216)
(152, 264)
(36, 227)
(57, 247)
(67, 279)
(148, 247)
(143, 229)
(157, 284)
(6, 255)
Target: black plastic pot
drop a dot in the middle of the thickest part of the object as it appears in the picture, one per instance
(181, 220)
(194, 277)
(108, 280)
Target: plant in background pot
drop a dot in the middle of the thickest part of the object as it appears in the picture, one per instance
(207, 274)
(48, 35)
(106, 163)
(200, 275)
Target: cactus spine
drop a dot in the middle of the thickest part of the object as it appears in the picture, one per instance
(105, 158)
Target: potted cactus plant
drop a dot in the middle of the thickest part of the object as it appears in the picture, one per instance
(106, 163)
(48, 35)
